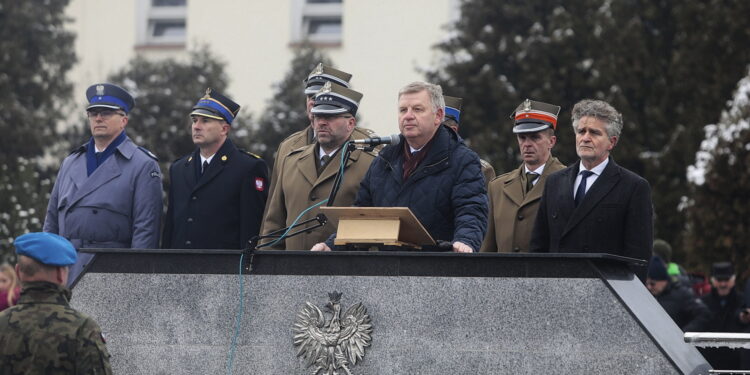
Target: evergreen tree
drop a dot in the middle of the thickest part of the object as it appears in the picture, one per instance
(667, 66)
(165, 91)
(718, 213)
(36, 52)
(285, 113)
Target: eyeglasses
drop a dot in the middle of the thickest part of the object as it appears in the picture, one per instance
(106, 113)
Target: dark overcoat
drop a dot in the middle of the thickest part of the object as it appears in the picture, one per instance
(223, 208)
(615, 216)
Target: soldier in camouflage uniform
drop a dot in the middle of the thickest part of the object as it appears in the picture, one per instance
(42, 334)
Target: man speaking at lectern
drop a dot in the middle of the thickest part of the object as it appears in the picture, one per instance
(431, 171)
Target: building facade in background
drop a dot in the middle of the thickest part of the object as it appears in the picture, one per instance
(383, 44)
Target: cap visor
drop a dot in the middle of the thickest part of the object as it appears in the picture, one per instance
(325, 109)
(530, 127)
(104, 105)
(312, 89)
(206, 113)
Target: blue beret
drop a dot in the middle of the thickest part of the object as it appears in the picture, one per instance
(46, 248)
(107, 95)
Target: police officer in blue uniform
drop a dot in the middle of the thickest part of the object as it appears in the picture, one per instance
(108, 191)
(218, 192)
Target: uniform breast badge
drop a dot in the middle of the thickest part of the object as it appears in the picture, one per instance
(331, 345)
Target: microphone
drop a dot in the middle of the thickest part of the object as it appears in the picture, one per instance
(392, 139)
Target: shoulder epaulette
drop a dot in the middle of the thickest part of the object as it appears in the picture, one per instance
(367, 132)
(250, 153)
(149, 153)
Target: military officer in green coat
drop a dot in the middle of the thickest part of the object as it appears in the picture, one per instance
(515, 196)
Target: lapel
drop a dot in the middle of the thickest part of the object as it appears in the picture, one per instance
(190, 169)
(333, 167)
(603, 185)
(536, 192)
(306, 164)
(222, 157)
(514, 186)
(103, 174)
(78, 170)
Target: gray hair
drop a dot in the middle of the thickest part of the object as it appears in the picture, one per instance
(601, 111)
(434, 91)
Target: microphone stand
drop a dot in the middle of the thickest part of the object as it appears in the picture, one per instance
(319, 218)
(350, 147)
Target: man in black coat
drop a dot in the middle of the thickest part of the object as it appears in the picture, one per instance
(727, 315)
(687, 311)
(595, 206)
(218, 192)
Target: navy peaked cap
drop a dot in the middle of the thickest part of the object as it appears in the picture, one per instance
(107, 95)
(217, 106)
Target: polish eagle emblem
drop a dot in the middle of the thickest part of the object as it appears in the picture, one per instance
(331, 345)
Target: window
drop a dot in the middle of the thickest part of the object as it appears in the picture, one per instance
(162, 22)
(319, 21)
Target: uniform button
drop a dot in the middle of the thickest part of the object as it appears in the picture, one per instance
(195, 198)
(95, 212)
(516, 249)
(190, 220)
(188, 243)
(313, 197)
(520, 217)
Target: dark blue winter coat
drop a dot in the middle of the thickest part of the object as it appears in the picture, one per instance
(446, 192)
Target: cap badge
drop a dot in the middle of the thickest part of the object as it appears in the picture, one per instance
(326, 88)
(208, 94)
(99, 90)
(527, 105)
(318, 70)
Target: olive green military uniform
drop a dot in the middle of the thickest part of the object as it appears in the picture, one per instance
(513, 210)
(300, 187)
(296, 141)
(42, 334)
(488, 172)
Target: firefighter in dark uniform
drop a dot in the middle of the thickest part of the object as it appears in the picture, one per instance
(218, 192)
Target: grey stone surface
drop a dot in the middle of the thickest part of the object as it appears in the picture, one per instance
(183, 324)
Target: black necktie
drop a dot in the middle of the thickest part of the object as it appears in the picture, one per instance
(530, 178)
(204, 167)
(581, 192)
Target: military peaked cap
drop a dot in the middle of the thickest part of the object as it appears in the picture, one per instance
(333, 99)
(322, 74)
(531, 116)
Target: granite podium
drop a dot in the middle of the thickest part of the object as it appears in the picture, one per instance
(174, 311)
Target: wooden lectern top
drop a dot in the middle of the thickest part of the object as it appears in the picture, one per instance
(408, 231)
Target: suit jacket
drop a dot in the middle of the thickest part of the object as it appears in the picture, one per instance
(299, 187)
(221, 209)
(615, 216)
(513, 210)
(117, 206)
